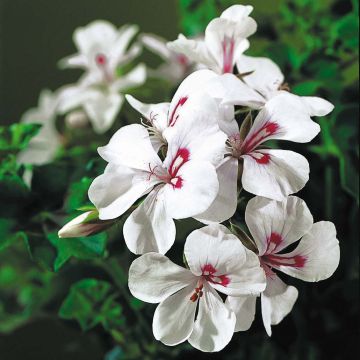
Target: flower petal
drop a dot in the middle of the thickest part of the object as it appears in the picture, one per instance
(244, 308)
(153, 278)
(102, 109)
(317, 106)
(214, 325)
(196, 188)
(275, 225)
(315, 258)
(276, 301)
(224, 262)
(157, 45)
(156, 114)
(130, 146)
(117, 189)
(174, 318)
(266, 76)
(149, 227)
(225, 203)
(274, 174)
(133, 78)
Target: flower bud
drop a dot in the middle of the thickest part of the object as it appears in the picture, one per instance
(85, 224)
(76, 119)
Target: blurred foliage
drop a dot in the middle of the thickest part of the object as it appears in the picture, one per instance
(84, 280)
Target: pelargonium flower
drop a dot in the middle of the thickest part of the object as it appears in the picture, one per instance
(102, 50)
(274, 226)
(190, 307)
(272, 173)
(225, 40)
(175, 66)
(43, 146)
(181, 186)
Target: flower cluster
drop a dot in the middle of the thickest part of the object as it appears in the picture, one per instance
(191, 158)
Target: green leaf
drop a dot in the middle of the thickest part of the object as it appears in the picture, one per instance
(7, 237)
(16, 137)
(78, 194)
(83, 248)
(92, 302)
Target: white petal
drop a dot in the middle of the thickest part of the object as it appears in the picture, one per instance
(196, 188)
(274, 173)
(102, 109)
(156, 114)
(317, 106)
(218, 255)
(225, 203)
(195, 50)
(117, 189)
(197, 130)
(174, 318)
(130, 146)
(149, 227)
(244, 308)
(95, 33)
(157, 45)
(133, 78)
(266, 77)
(214, 325)
(316, 257)
(276, 302)
(292, 119)
(153, 278)
(73, 61)
(237, 12)
(274, 225)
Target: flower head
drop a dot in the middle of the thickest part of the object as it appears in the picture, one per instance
(190, 307)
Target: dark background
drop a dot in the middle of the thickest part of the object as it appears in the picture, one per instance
(35, 34)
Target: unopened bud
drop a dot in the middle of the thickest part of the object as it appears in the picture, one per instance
(76, 119)
(85, 224)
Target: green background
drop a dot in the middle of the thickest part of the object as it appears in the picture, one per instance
(316, 45)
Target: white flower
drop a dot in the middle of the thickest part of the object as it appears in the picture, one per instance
(274, 226)
(175, 66)
(102, 49)
(217, 261)
(183, 185)
(43, 146)
(271, 173)
(225, 40)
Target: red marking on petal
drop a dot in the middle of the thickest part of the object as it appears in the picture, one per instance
(262, 159)
(181, 157)
(256, 138)
(177, 182)
(182, 60)
(297, 261)
(100, 59)
(208, 272)
(228, 45)
(174, 116)
(273, 241)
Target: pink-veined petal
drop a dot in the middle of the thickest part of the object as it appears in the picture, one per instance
(275, 225)
(223, 261)
(130, 146)
(174, 318)
(276, 301)
(214, 325)
(274, 174)
(315, 258)
(150, 228)
(117, 189)
(192, 191)
(244, 308)
(225, 203)
(153, 278)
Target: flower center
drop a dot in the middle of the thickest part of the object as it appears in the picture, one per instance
(197, 294)
(209, 274)
(102, 62)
